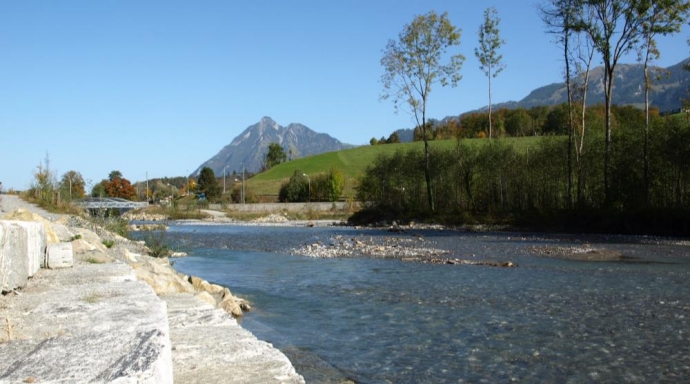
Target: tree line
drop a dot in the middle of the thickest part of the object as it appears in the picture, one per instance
(425, 54)
(494, 180)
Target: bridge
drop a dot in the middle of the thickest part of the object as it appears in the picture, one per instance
(108, 202)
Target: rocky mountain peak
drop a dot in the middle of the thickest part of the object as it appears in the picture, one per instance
(249, 147)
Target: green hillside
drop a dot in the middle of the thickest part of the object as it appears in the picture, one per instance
(352, 163)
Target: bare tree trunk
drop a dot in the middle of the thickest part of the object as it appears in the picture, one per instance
(427, 172)
(490, 125)
(571, 132)
(646, 129)
(608, 80)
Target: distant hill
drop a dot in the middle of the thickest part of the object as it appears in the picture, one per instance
(353, 163)
(249, 147)
(669, 89)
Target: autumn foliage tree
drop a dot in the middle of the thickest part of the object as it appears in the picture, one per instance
(118, 186)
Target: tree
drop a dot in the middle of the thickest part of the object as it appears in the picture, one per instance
(373, 141)
(517, 122)
(393, 138)
(114, 175)
(44, 182)
(72, 183)
(489, 43)
(560, 18)
(296, 189)
(98, 190)
(614, 30)
(275, 155)
(208, 183)
(328, 186)
(117, 186)
(660, 17)
(412, 65)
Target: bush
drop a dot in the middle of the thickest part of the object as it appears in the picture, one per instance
(155, 241)
(296, 189)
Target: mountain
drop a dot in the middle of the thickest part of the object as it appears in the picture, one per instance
(670, 87)
(249, 147)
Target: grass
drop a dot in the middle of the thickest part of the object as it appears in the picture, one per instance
(91, 298)
(353, 162)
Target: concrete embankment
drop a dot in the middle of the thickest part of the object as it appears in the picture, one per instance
(114, 314)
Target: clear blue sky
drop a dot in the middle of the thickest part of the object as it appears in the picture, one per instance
(159, 87)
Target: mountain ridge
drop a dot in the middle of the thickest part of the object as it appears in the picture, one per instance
(666, 94)
(248, 149)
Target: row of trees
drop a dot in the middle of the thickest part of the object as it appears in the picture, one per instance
(612, 28)
(394, 138)
(494, 176)
(47, 189)
(521, 122)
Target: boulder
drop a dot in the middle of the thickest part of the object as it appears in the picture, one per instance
(162, 278)
(230, 306)
(91, 238)
(130, 257)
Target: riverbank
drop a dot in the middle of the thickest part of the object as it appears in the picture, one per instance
(118, 314)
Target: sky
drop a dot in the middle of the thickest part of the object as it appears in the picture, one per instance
(156, 88)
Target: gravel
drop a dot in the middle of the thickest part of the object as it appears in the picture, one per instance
(10, 203)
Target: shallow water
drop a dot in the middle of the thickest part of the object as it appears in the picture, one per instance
(384, 320)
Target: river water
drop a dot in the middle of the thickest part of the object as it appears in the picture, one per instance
(378, 320)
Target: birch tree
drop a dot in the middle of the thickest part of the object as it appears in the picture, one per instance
(659, 18)
(487, 53)
(416, 61)
(614, 30)
(560, 16)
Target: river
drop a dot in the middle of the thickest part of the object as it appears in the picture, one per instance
(385, 320)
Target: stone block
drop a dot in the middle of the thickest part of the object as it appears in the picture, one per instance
(22, 251)
(59, 255)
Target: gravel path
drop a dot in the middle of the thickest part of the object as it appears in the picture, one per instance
(10, 203)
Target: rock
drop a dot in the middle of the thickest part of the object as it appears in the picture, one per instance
(24, 215)
(59, 255)
(63, 233)
(162, 278)
(22, 252)
(130, 256)
(91, 238)
(206, 297)
(95, 257)
(230, 306)
(81, 246)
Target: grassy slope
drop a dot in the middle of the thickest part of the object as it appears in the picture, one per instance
(352, 163)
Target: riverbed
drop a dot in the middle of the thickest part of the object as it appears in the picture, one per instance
(378, 319)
